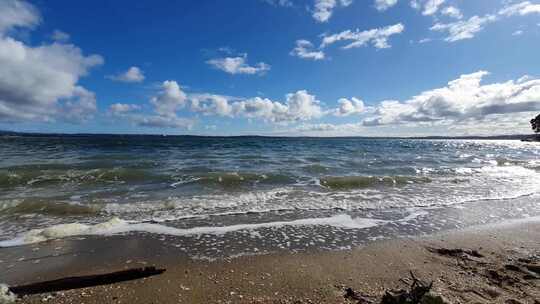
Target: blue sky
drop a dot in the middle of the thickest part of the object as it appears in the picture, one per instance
(270, 67)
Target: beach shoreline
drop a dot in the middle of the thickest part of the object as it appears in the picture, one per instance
(309, 277)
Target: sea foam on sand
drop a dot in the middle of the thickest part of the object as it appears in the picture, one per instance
(118, 226)
(6, 296)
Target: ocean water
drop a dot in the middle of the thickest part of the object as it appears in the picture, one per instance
(217, 195)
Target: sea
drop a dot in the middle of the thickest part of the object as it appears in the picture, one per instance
(215, 197)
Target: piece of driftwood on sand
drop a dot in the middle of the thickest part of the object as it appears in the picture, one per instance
(86, 281)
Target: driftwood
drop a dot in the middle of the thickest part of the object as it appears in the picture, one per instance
(357, 296)
(85, 281)
(458, 252)
(414, 295)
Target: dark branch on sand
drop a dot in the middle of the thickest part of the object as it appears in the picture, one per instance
(415, 294)
(458, 252)
(419, 293)
(86, 281)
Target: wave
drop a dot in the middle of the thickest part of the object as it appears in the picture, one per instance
(356, 182)
(48, 208)
(118, 226)
(38, 178)
(234, 179)
(315, 169)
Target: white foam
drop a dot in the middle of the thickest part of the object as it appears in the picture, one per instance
(413, 215)
(6, 296)
(118, 226)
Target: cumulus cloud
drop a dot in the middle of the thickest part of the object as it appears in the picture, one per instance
(169, 99)
(462, 99)
(323, 9)
(121, 108)
(304, 49)
(133, 74)
(520, 9)
(299, 106)
(80, 107)
(378, 37)
(348, 107)
(40, 83)
(382, 5)
(463, 29)
(238, 65)
(428, 7)
(211, 104)
(452, 11)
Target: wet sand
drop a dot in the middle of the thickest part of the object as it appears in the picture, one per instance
(499, 276)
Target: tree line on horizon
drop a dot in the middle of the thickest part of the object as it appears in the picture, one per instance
(535, 124)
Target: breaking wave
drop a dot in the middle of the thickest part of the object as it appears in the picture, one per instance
(49, 208)
(356, 182)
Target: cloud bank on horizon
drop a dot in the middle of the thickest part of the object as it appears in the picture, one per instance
(52, 83)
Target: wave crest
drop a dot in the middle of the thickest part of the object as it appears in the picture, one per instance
(356, 182)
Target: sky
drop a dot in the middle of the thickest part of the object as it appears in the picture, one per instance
(270, 67)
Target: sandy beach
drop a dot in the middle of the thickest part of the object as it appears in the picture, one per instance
(270, 151)
(506, 270)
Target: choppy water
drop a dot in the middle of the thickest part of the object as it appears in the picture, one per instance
(256, 184)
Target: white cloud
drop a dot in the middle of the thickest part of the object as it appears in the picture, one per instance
(299, 106)
(40, 83)
(211, 104)
(378, 37)
(517, 33)
(279, 2)
(452, 11)
(382, 5)
(305, 50)
(348, 107)
(432, 6)
(15, 13)
(60, 36)
(323, 9)
(80, 107)
(133, 74)
(337, 129)
(467, 29)
(121, 108)
(156, 121)
(463, 29)
(428, 7)
(462, 99)
(238, 65)
(521, 9)
(169, 99)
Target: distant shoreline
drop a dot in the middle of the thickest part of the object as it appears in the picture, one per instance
(523, 137)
